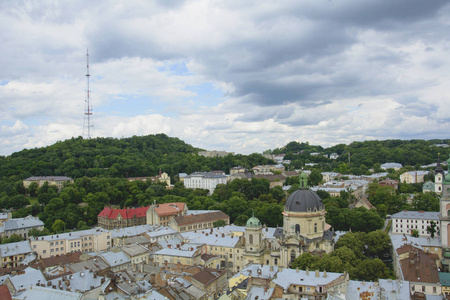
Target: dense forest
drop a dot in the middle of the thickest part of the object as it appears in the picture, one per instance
(358, 157)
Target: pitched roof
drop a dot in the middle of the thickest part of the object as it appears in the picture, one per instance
(419, 266)
(167, 209)
(48, 178)
(206, 217)
(126, 213)
(206, 276)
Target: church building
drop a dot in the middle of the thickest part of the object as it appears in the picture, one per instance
(304, 230)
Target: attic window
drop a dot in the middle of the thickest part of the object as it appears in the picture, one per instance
(296, 202)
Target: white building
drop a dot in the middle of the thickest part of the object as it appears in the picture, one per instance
(204, 180)
(406, 221)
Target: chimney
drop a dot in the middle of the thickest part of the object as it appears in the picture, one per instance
(317, 273)
(271, 268)
(325, 273)
(296, 270)
(307, 271)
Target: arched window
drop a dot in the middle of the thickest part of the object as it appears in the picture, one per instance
(250, 238)
(297, 228)
(448, 213)
(323, 225)
(315, 227)
(292, 256)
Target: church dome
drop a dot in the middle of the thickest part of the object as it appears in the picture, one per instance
(303, 200)
(253, 222)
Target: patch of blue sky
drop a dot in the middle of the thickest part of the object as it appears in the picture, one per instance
(176, 69)
(132, 105)
(5, 82)
(206, 94)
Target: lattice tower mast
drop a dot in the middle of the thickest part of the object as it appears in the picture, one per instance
(88, 125)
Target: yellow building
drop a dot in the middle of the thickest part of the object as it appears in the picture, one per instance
(78, 241)
(13, 253)
(57, 181)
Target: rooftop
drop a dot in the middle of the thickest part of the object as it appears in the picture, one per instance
(126, 213)
(419, 215)
(15, 249)
(168, 209)
(287, 277)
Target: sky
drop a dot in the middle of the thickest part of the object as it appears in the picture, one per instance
(233, 75)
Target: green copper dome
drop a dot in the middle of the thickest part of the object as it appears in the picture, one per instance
(253, 222)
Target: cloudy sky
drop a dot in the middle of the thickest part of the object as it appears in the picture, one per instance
(241, 76)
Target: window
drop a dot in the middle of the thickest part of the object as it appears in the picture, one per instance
(34, 246)
(297, 228)
(315, 227)
(45, 251)
(423, 288)
(250, 238)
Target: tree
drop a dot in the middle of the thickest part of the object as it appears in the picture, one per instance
(431, 229)
(314, 178)
(415, 233)
(377, 245)
(219, 223)
(58, 226)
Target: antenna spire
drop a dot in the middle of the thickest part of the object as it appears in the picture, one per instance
(88, 125)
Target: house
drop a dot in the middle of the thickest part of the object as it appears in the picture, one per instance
(211, 281)
(161, 214)
(389, 182)
(162, 177)
(214, 153)
(364, 202)
(110, 218)
(57, 181)
(136, 253)
(77, 241)
(203, 220)
(394, 166)
(25, 280)
(117, 261)
(40, 292)
(419, 268)
(204, 180)
(413, 177)
(184, 254)
(238, 169)
(21, 226)
(307, 284)
(12, 254)
(5, 217)
(405, 222)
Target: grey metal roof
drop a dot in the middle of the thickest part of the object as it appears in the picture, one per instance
(48, 178)
(115, 259)
(45, 293)
(303, 200)
(15, 248)
(419, 215)
(21, 223)
(205, 175)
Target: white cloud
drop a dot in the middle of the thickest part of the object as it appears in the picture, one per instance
(240, 76)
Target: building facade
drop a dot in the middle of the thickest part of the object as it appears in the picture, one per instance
(405, 222)
(110, 218)
(204, 180)
(57, 181)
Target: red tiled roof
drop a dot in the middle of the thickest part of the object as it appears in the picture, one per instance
(168, 209)
(126, 213)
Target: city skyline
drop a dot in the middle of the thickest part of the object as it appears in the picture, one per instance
(233, 76)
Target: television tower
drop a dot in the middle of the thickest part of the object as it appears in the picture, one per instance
(88, 125)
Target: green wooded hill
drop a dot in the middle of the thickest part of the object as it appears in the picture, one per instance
(367, 154)
(109, 157)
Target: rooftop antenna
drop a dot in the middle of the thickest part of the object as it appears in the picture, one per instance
(88, 126)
